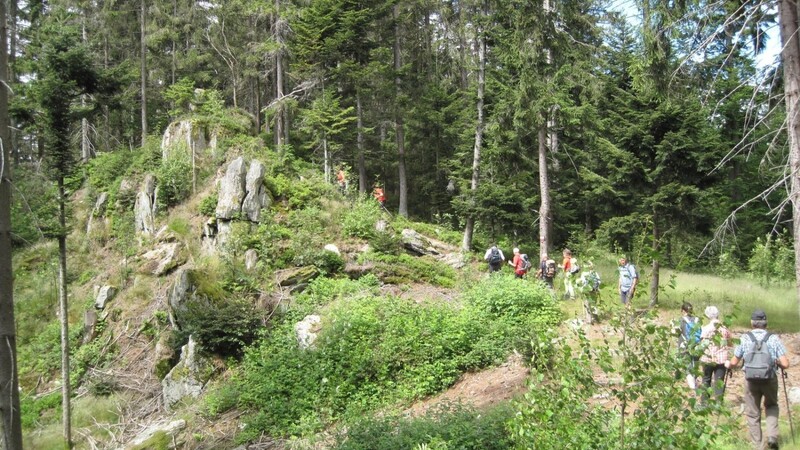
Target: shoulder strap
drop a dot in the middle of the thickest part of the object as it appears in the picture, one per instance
(758, 342)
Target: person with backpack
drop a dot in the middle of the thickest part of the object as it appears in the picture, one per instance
(628, 279)
(571, 270)
(547, 270)
(763, 353)
(716, 342)
(494, 256)
(690, 331)
(589, 285)
(520, 262)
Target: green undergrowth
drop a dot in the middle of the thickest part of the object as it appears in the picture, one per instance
(374, 351)
(449, 427)
(404, 268)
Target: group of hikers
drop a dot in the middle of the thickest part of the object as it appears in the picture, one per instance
(377, 191)
(761, 352)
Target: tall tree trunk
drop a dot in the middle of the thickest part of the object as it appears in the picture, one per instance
(64, 314)
(545, 213)
(10, 423)
(790, 56)
(86, 146)
(654, 281)
(143, 64)
(362, 166)
(469, 228)
(280, 124)
(398, 120)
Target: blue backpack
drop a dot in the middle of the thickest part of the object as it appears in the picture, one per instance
(691, 330)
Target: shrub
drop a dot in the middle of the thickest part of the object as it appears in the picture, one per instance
(174, 180)
(224, 328)
(360, 220)
(404, 268)
(452, 427)
(503, 295)
(208, 205)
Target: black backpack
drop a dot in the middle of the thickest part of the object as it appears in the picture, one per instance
(494, 257)
(758, 364)
(550, 269)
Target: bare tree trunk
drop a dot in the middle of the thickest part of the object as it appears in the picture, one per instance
(362, 166)
(10, 423)
(469, 228)
(86, 146)
(654, 281)
(279, 116)
(64, 315)
(790, 56)
(545, 213)
(143, 64)
(398, 120)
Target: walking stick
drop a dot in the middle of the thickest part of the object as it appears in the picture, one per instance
(788, 406)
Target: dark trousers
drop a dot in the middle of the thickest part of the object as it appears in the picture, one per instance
(715, 372)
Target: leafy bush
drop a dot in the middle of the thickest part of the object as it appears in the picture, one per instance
(446, 428)
(360, 220)
(504, 295)
(225, 328)
(404, 268)
(772, 260)
(559, 412)
(174, 180)
(208, 205)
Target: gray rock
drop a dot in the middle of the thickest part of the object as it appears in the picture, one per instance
(89, 325)
(171, 429)
(254, 188)
(231, 190)
(333, 248)
(183, 136)
(417, 243)
(180, 293)
(105, 294)
(307, 330)
(794, 395)
(143, 214)
(163, 258)
(188, 377)
(250, 259)
(98, 210)
(295, 275)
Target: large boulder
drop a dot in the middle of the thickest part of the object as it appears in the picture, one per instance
(185, 136)
(232, 190)
(158, 434)
(188, 377)
(420, 245)
(295, 275)
(307, 330)
(256, 195)
(182, 291)
(144, 209)
(105, 294)
(163, 258)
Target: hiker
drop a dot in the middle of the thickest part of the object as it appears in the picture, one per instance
(519, 263)
(688, 338)
(547, 271)
(589, 285)
(571, 268)
(379, 195)
(341, 180)
(761, 352)
(716, 339)
(628, 279)
(494, 256)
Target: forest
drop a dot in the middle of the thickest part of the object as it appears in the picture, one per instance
(662, 130)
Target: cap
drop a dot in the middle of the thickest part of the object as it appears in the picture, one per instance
(759, 314)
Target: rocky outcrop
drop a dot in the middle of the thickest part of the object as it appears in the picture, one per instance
(98, 210)
(89, 325)
(187, 136)
(105, 294)
(307, 330)
(420, 245)
(333, 249)
(250, 259)
(295, 276)
(255, 193)
(150, 437)
(188, 377)
(232, 190)
(182, 291)
(163, 258)
(144, 209)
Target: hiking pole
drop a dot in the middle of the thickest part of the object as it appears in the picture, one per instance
(788, 406)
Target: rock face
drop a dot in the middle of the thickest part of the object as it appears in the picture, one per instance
(105, 294)
(171, 429)
(255, 194)
(98, 210)
(307, 330)
(186, 136)
(163, 258)
(144, 209)
(188, 377)
(232, 190)
(181, 292)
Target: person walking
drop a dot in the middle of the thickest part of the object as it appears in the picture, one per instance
(688, 338)
(518, 263)
(494, 256)
(341, 180)
(628, 279)
(716, 339)
(762, 353)
(380, 196)
(570, 266)
(547, 271)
